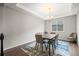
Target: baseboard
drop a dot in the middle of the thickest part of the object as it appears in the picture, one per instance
(19, 45)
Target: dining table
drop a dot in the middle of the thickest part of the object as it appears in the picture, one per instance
(50, 37)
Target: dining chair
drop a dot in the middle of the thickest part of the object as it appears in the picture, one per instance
(54, 43)
(45, 32)
(52, 32)
(39, 42)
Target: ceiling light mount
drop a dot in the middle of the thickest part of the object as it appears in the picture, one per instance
(50, 14)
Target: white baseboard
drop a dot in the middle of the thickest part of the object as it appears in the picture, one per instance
(17, 45)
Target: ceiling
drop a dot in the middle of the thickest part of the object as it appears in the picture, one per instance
(55, 10)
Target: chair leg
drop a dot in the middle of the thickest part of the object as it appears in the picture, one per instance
(56, 44)
(53, 48)
(35, 45)
(41, 47)
(46, 46)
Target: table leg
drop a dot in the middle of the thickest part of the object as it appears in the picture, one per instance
(49, 48)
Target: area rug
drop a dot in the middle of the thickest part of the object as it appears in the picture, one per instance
(31, 51)
(62, 48)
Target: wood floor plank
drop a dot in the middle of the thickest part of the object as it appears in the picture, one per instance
(15, 52)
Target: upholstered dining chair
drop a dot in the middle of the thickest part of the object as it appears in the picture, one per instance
(45, 32)
(54, 42)
(52, 32)
(39, 41)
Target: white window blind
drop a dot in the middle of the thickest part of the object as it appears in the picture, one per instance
(57, 25)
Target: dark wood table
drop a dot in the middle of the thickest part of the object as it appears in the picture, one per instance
(49, 37)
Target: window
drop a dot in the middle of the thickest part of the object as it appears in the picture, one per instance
(57, 25)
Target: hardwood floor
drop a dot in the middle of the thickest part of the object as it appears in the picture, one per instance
(74, 50)
(15, 52)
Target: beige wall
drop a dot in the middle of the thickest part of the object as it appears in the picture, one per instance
(1, 18)
(78, 27)
(19, 28)
(69, 26)
(1, 21)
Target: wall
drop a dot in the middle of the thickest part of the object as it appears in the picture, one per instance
(1, 20)
(78, 27)
(69, 26)
(19, 28)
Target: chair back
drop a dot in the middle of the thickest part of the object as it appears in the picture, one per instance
(45, 32)
(52, 33)
(39, 38)
(56, 37)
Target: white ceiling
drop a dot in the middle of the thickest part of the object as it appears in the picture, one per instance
(57, 9)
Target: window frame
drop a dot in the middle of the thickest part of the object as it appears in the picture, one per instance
(56, 24)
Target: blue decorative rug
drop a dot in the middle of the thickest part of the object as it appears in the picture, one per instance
(34, 52)
(62, 48)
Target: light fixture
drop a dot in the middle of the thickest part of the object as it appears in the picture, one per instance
(47, 9)
(50, 14)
